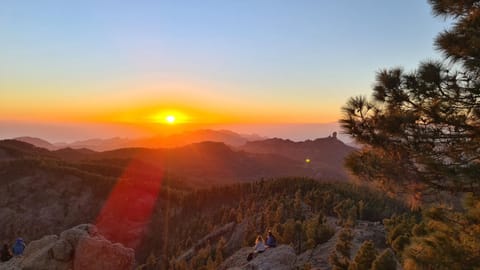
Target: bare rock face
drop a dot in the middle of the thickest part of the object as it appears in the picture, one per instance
(317, 258)
(62, 250)
(97, 253)
(236, 238)
(78, 248)
(280, 258)
(38, 255)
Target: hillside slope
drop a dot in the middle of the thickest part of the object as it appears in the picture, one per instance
(325, 155)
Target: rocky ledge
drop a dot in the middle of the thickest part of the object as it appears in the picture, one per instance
(280, 258)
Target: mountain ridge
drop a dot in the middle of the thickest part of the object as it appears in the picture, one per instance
(319, 158)
(174, 140)
(327, 153)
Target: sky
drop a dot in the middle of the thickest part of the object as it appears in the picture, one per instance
(100, 68)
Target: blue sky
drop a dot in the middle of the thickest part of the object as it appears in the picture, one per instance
(276, 61)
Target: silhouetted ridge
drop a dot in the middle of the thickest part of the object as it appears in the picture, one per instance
(73, 154)
(19, 149)
(175, 140)
(324, 154)
(37, 142)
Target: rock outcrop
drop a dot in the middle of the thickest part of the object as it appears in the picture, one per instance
(78, 248)
(283, 257)
(205, 240)
(280, 258)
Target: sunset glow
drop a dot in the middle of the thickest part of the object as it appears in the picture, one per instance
(240, 134)
(136, 64)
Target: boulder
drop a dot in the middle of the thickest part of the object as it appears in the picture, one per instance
(38, 255)
(80, 247)
(98, 253)
(12, 264)
(62, 250)
(74, 234)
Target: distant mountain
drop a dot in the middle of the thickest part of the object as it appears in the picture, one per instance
(13, 149)
(101, 144)
(37, 142)
(180, 139)
(324, 155)
(207, 162)
(201, 135)
(228, 157)
(73, 154)
(210, 162)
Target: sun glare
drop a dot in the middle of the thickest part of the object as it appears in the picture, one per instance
(170, 119)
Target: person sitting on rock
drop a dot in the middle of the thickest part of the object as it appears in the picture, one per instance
(259, 245)
(6, 254)
(271, 240)
(18, 247)
(258, 248)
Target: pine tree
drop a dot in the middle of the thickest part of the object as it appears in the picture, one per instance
(346, 212)
(280, 214)
(365, 256)
(449, 240)
(460, 43)
(210, 264)
(340, 257)
(299, 236)
(316, 231)
(423, 127)
(311, 232)
(288, 235)
(360, 209)
(384, 261)
(298, 205)
(399, 230)
(219, 251)
(151, 262)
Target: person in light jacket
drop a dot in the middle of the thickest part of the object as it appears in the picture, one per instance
(259, 245)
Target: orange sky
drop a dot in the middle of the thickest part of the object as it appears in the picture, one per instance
(92, 63)
(143, 105)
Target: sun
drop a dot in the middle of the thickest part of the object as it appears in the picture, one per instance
(170, 119)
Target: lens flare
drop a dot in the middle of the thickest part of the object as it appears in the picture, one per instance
(127, 212)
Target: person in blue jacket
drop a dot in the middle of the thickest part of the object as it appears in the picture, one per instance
(271, 240)
(18, 247)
